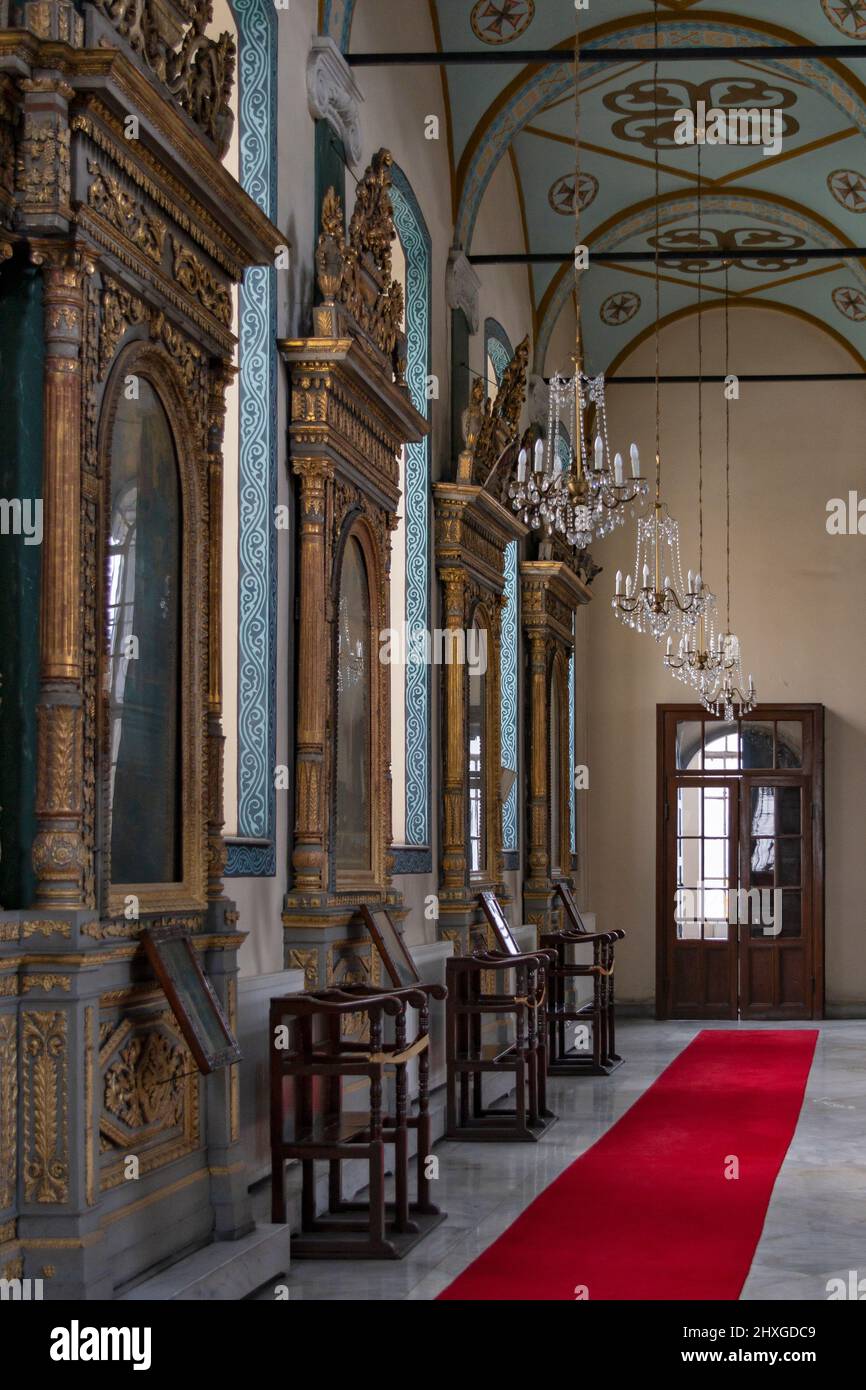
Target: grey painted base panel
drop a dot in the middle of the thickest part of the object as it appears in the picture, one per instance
(816, 1223)
(226, 1270)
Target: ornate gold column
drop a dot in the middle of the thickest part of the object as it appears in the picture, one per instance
(58, 848)
(551, 592)
(454, 866)
(308, 858)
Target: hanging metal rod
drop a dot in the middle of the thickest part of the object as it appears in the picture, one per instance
(685, 253)
(741, 376)
(555, 57)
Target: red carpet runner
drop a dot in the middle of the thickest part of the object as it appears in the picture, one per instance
(647, 1212)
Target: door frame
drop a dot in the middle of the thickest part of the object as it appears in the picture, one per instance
(779, 711)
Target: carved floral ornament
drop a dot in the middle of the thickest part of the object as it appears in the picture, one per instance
(490, 428)
(169, 36)
(354, 270)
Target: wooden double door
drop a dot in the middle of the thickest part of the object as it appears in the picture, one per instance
(740, 884)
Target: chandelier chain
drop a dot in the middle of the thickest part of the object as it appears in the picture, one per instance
(658, 265)
(728, 442)
(700, 383)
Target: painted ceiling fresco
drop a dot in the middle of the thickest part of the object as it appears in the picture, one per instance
(812, 192)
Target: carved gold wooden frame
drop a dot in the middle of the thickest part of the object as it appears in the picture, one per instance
(149, 361)
(375, 879)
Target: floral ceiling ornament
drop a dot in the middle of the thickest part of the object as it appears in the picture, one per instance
(848, 188)
(619, 308)
(851, 303)
(849, 16)
(648, 113)
(561, 193)
(781, 247)
(501, 21)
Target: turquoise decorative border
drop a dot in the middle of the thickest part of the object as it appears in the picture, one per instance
(497, 346)
(337, 21)
(417, 246)
(257, 491)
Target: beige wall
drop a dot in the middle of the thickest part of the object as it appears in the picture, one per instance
(393, 115)
(797, 606)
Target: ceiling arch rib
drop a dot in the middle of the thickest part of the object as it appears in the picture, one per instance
(726, 218)
(738, 305)
(534, 89)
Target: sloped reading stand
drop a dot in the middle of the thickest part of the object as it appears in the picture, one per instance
(391, 946)
(191, 996)
(479, 994)
(310, 1061)
(565, 1013)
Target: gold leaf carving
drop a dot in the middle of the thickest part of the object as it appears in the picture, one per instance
(143, 1086)
(126, 213)
(193, 276)
(46, 1138)
(8, 1108)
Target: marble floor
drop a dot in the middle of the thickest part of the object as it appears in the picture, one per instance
(815, 1228)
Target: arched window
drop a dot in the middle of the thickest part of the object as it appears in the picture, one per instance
(410, 553)
(144, 643)
(353, 838)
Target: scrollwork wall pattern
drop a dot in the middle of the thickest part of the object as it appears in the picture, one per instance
(415, 238)
(257, 593)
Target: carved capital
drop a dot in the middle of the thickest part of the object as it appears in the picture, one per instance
(462, 287)
(334, 96)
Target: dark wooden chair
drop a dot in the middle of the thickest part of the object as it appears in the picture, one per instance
(598, 1012)
(472, 1001)
(316, 1126)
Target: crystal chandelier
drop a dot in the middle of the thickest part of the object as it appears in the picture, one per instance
(564, 491)
(699, 657)
(655, 599)
(727, 696)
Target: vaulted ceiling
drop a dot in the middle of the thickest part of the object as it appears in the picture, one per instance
(813, 193)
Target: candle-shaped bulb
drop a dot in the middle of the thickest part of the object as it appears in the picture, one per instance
(619, 581)
(628, 586)
(670, 646)
(667, 582)
(521, 466)
(635, 461)
(690, 590)
(646, 576)
(699, 583)
(617, 470)
(539, 455)
(599, 453)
